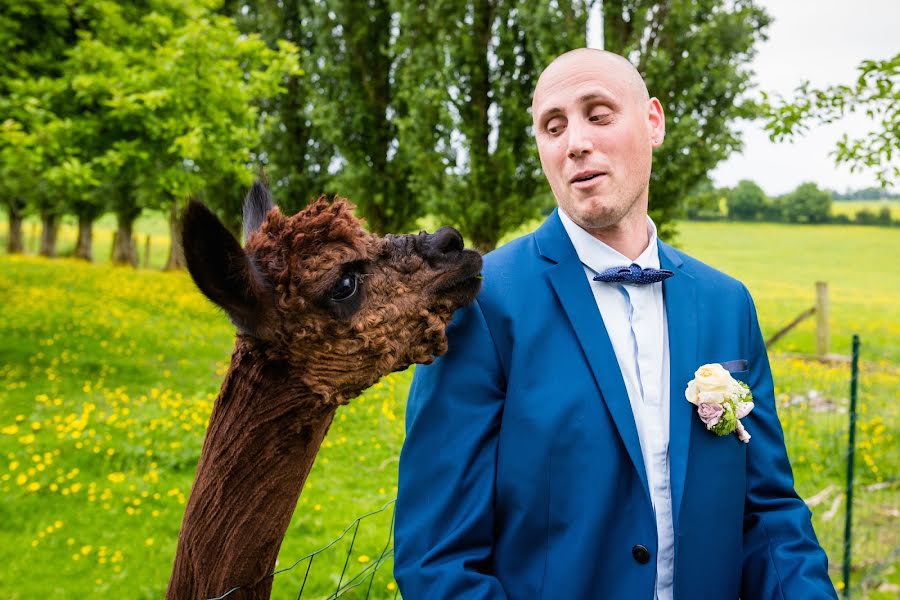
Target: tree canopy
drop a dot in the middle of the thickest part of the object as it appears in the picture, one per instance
(410, 108)
(876, 93)
(746, 201)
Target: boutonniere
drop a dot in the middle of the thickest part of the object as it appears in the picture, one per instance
(721, 400)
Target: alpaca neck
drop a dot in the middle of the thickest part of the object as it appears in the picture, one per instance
(262, 440)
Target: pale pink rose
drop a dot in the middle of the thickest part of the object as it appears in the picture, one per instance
(710, 413)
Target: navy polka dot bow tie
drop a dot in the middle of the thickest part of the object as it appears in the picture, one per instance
(633, 275)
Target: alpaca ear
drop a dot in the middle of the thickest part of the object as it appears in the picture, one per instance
(256, 206)
(224, 272)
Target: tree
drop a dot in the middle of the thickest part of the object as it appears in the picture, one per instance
(875, 92)
(746, 201)
(160, 102)
(295, 147)
(357, 110)
(704, 201)
(17, 168)
(468, 110)
(34, 37)
(773, 210)
(694, 56)
(468, 69)
(197, 101)
(807, 204)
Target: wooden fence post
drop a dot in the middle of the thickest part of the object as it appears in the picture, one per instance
(147, 252)
(821, 319)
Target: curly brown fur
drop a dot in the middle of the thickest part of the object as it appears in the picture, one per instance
(302, 350)
(400, 322)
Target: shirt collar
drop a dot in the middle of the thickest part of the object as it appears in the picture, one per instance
(598, 256)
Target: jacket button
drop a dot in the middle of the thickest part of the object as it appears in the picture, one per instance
(640, 554)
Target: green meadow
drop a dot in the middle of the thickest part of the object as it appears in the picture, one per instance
(108, 375)
(850, 208)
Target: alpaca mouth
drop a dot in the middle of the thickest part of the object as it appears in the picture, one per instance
(462, 284)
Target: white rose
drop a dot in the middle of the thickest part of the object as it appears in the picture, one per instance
(713, 378)
(712, 397)
(691, 393)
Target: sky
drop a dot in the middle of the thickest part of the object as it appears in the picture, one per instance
(822, 41)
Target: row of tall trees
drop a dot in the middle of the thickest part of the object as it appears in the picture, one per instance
(807, 203)
(407, 107)
(123, 107)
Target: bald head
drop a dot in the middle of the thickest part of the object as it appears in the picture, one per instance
(596, 127)
(615, 67)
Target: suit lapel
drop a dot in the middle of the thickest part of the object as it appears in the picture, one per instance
(573, 290)
(680, 293)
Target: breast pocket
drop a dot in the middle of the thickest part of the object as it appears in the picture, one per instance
(743, 376)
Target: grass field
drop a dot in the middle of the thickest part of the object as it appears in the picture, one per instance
(844, 207)
(107, 377)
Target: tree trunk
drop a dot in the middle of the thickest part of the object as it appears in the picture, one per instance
(15, 244)
(176, 249)
(84, 247)
(49, 229)
(124, 250)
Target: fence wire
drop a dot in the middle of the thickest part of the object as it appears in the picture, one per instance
(355, 581)
(814, 408)
(813, 404)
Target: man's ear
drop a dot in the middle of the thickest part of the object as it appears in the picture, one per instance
(224, 272)
(656, 122)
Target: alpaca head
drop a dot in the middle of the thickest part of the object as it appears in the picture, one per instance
(338, 306)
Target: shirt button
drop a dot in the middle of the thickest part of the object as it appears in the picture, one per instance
(640, 554)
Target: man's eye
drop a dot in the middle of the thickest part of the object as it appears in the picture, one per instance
(599, 118)
(555, 127)
(345, 288)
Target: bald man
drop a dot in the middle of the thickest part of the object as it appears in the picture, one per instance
(552, 453)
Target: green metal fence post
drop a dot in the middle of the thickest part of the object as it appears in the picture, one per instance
(851, 447)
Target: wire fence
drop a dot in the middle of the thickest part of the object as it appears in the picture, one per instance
(814, 404)
(816, 410)
(365, 578)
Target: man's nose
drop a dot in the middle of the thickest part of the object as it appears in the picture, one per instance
(579, 140)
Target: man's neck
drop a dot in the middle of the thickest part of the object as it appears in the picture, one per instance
(628, 237)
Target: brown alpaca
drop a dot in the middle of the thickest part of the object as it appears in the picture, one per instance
(323, 310)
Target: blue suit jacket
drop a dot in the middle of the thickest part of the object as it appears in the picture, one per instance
(521, 476)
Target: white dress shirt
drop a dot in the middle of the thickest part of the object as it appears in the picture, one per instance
(635, 319)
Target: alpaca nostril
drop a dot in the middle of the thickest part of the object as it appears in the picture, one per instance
(444, 241)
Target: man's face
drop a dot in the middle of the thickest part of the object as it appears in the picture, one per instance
(595, 131)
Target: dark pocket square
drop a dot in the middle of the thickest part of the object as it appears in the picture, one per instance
(735, 366)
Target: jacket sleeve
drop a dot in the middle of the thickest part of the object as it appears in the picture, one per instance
(444, 514)
(782, 557)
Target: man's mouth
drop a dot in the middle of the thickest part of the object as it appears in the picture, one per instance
(587, 176)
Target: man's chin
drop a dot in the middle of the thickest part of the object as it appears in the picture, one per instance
(596, 215)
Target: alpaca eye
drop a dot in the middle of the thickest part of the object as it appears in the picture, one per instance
(345, 288)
